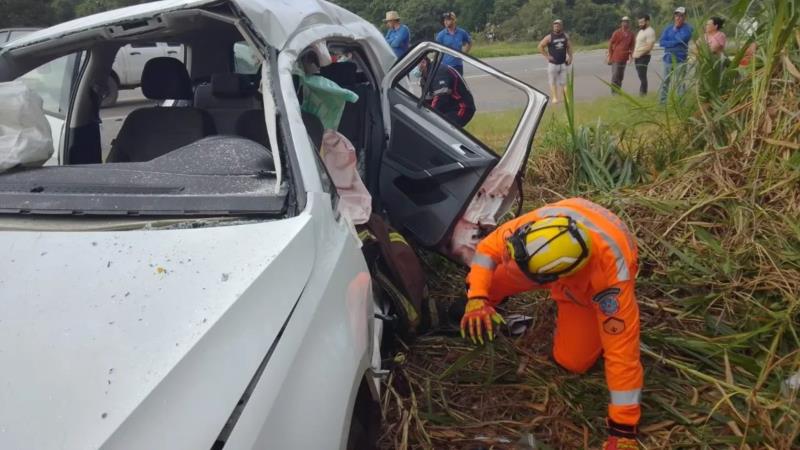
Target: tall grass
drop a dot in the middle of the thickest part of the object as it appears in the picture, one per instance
(598, 159)
(720, 246)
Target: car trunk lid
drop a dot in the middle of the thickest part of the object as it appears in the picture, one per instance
(106, 334)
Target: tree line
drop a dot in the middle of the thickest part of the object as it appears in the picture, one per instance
(43, 13)
(587, 21)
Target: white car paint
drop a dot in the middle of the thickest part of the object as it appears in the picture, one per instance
(140, 320)
(95, 21)
(276, 20)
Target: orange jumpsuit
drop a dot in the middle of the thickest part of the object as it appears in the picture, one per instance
(597, 310)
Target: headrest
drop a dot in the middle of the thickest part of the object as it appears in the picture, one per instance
(342, 73)
(226, 85)
(166, 78)
(232, 85)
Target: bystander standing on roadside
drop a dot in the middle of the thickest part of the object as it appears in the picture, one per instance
(749, 28)
(749, 53)
(455, 38)
(557, 50)
(645, 41)
(714, 36)
(397, 35)
(675, 42)
(620, 49)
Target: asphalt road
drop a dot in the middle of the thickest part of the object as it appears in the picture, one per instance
(590, 69)
(490, 94)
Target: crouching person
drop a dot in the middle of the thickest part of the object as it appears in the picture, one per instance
(588, 259)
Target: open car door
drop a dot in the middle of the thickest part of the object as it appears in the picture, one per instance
(441, 181)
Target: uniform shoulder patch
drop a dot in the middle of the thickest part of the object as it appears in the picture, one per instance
(613, 325)
(608, 301)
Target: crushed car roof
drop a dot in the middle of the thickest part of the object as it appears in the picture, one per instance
(277, 20)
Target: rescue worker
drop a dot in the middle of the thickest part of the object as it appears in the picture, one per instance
(588, 259)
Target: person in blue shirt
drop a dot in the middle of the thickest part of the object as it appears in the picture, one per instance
(455, 38)
(397, 35)
(675, 42)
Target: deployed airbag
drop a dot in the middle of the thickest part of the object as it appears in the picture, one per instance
(25, 137)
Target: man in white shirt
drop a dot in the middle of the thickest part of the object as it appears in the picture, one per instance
(645, 40)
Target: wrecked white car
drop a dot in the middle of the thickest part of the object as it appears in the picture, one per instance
(198, 284)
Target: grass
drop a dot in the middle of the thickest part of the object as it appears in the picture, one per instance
(500, 49)
(496, 128)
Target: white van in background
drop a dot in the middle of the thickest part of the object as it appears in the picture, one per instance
(126, 72)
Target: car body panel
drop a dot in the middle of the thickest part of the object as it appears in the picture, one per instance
(129, 13)
(493, 198)
(276, 20)
(10, 34)
(322, 353)
(115, 333)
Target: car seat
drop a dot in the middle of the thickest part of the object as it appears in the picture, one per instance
(252, 125)
(226, 99)
(148, 133)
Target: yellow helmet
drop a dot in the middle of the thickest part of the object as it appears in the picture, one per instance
(550, 248)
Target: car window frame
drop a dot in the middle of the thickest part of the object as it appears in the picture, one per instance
(421, 104)
(68, 78)
(395, 84)
(233, 59)
(16, 34)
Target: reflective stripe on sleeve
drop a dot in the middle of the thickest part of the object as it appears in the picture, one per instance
(484, 261)
(632, 397)
(608, 215)
(623, 274)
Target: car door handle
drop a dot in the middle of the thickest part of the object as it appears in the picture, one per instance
(135, 53)
(172, 52)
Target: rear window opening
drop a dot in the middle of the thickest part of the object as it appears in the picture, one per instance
(167, 122)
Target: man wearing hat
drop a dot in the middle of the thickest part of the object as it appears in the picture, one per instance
(557, 50)
(620, 48)
(397, 35)
(455, 38)
(675, 42)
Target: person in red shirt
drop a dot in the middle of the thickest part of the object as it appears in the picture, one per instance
(620, 49)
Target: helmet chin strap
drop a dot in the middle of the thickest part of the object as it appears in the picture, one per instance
(522, 257)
